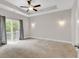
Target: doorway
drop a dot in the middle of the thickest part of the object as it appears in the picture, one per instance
(12, 30)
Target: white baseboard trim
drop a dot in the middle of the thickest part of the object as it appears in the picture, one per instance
(25, 37)
(52, 40)
(28, 38)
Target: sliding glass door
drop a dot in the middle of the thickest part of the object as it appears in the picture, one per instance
(12, 29)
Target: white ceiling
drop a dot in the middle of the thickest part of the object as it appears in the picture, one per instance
(46, 5)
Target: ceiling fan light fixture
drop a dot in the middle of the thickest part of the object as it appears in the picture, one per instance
(30, 8)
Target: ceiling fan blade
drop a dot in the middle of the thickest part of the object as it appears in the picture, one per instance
(27, 10)
(29, 2)
(24, 6)
(35, 10)
(37, 6)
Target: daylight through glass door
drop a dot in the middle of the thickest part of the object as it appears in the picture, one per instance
(12, 29)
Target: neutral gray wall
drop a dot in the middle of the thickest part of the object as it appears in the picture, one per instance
(26, 27)
(47, 26)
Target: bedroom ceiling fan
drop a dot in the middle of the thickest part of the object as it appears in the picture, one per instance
(30, 7)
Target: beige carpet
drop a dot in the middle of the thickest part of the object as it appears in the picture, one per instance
(36, 49)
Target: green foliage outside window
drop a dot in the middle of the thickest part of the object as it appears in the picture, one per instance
(8, 25)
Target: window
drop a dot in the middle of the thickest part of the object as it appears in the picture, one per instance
(12, 29)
